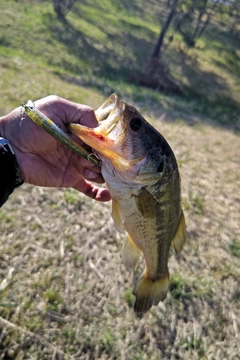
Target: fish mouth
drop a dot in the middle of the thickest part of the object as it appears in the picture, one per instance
(108, 115)
(105, 139)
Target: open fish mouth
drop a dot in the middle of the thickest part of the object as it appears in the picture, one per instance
(103, 139)
(108, 115)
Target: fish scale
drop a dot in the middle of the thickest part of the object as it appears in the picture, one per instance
(141, 173)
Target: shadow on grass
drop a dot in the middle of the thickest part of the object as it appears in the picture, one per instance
(107, 59)
(211, 94)
(207, 94)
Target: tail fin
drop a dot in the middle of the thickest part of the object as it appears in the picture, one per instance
(149, 292)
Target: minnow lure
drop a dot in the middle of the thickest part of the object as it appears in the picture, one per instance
(44, 122)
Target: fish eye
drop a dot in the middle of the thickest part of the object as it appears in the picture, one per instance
(136, 123)
(160, 167)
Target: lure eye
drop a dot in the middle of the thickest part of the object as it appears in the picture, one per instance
(136, 123)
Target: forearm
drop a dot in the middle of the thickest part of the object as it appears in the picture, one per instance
(10, 174)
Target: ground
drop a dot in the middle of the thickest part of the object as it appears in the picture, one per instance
(66, 295)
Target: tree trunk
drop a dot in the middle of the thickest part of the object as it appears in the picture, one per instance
(157, 50)
(156, 76)
(198, 31)
(61, 7)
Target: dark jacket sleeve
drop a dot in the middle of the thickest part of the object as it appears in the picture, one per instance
(7, 174)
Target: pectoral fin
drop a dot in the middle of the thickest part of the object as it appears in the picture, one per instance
(146, 204)
(130, 254)
(117, 216)
(180, 236)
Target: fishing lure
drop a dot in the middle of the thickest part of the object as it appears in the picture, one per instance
(44, 122)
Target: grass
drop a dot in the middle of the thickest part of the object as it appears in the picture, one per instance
(234, 248)
(64, 293)
(100, 49)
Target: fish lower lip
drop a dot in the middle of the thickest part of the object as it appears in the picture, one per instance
(101, 144)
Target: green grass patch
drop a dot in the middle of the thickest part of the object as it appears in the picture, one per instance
(4, 217)
(107, 42)
(53, 299)
(179, 287)
(72, 197)
(129, 298)
(234, 248)
(194, 202)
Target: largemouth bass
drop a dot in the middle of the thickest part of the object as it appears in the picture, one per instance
(141, 173)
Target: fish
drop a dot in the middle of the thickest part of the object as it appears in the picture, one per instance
(141, 173)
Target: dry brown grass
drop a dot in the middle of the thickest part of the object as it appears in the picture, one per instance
(64, 293)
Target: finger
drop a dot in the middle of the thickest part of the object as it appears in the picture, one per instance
(94, 192)
(93, 176)
(79, 113)
(67, 111)
(88, 118)
(99, 194)
(87, 164)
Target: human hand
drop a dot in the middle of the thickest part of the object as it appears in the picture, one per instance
(42, 159)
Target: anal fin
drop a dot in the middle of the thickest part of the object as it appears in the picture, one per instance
(130, 254)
